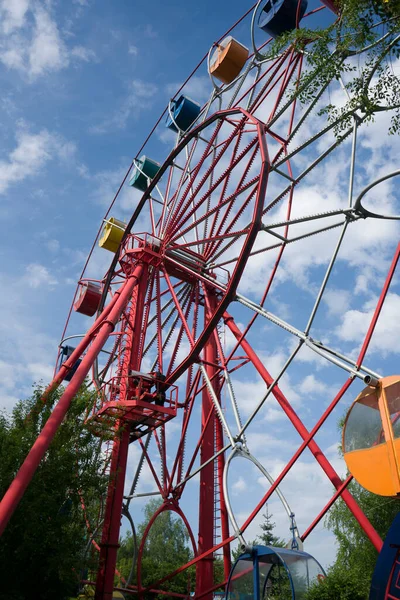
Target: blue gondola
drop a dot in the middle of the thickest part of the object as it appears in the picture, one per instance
(184, 112)
(386, 578)
(263, 572)
(65, 353)
(279, 16)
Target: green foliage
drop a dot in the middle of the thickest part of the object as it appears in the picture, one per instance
(278, 585)
(350, 576)
(219, 574)
(267, 537)
(339, 584)
(42, 549)
(363, 40)
(166, 548)
(355, 552)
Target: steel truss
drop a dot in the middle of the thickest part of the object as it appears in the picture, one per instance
(226, 195)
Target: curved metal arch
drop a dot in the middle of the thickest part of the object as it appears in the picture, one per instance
(216, 87)
(247, 455)
(168, 505)
(358, 207)
(283, 564)
(256, 53)
(372, 45)
(247, 243)
(127, 514)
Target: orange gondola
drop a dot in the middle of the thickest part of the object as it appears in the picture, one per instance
(371, 437)
(228, 60)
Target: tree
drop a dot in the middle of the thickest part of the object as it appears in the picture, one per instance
(350, 576)
(166, 548)
(332, 52)
(277, 584)
(268, 538)
(42, 550)
(340, 584)
(356, 555)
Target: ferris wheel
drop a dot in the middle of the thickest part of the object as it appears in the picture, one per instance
(202, 286)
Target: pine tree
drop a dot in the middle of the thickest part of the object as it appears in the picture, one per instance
(268, 538)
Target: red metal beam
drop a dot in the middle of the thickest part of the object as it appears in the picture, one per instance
(379, 305)
(303, 432)
(115, 494)
(168, 505)
(323, 512)
(331, 5)
(21, 481)
(204, 569)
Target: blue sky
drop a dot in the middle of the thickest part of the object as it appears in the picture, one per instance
(83, 83)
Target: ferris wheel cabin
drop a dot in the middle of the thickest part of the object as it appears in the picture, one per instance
(371, 437)
(88, 300)
(65, 352)
(183, 113)
(112, 234)
(266, 573)
(228, 60)
(281, 16)
(145, 170)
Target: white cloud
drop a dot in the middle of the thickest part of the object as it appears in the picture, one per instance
(107, 184)
(312, 386)
(362, 283)
(40, 371)
(198, 88)
(133, 50)
(31, 42)
(31, 154)
(149, 31)
(12, 14)
(82, 53)
(47, 52)
(27, 353)
(239, 486)
(274, 415)
(337, 300)
(53, 246)
(386, 338)
(38, 275)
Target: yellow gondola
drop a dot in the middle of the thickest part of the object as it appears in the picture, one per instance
(111, 235)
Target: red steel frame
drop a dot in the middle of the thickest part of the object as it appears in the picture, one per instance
(136, 284)
(99, 334)
(207, 490)
(110, 538)
(128, 304)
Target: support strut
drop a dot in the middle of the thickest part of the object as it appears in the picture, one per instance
(105, 326)
(112, 519)
(303, 432)
(204, 568)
